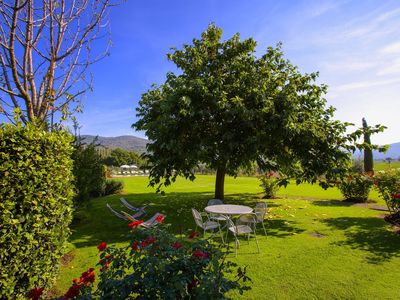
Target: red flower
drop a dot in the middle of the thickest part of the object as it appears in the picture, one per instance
(135, 246)
(150, 239)
(193, 234)
(135, 224)
(88, 276)
(160, 218)
(102, 246)
(144, 244)
(396, 196)
(200, 254)
(192, 284)
(35, 293)
(72, 292)
(177, 245)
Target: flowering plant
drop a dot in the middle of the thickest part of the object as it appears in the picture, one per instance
(388, 186)
(157, 265)
(356, 187)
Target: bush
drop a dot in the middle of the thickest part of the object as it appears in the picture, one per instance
(35, 208)
(356, 188)
(269, 184)
(89, 171)
(113, 187)
(388, 185)
(156, 265)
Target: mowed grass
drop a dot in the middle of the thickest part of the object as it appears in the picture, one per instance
(317, 247)
(382, 165)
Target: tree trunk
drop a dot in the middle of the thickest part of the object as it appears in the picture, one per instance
(368, 158)
(219, 184)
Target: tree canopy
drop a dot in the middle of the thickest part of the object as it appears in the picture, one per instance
(229, 108)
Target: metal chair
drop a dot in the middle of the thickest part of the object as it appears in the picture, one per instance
(260, 211)
(243, 228)
(123, 215)
(207, 225)
(216, 217)
(131, 207)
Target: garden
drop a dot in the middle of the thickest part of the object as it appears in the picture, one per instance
(317, 246)
(263, 130)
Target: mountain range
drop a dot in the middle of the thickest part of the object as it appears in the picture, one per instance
(133, 143)
(393, 152)
(127, 142)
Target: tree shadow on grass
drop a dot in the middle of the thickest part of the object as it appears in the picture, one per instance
(368, 234)
(332, 203)
(95, 223)
(282, 228)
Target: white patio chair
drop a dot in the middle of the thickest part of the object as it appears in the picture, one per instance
(207, 225)
(131, 207)
(148, 223)
(216, 217)
(243, 228)
(123, 215)
(260, 211)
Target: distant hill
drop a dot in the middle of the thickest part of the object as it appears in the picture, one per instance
(393, 152)
(127, 142)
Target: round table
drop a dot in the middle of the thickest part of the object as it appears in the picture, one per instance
(228, 209)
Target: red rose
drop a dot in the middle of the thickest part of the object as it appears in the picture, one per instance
(135, 224)
(177, 245)
(144, 244)
(135, 246)
(160, 218)
(193, 234)
(35, 293)
(192, 284)
(102, 246)
(72, 292)
(150, 239)
(88, 276)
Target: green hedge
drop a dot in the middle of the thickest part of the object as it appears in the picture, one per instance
(35, 208)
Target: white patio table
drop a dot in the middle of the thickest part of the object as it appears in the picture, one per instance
(228, 209)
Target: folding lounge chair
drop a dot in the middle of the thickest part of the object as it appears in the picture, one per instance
(148, 223)
(123, 215)
(131, 207)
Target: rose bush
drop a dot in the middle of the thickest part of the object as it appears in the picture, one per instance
(356, 187)
(157, 265)
(388, 185)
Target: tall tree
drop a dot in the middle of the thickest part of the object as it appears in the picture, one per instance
(368, 157)
(228, 108)
(45, 50)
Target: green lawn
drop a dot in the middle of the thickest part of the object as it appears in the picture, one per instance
(381, 165)
(317, 247)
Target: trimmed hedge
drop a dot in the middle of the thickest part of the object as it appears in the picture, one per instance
(35, 208)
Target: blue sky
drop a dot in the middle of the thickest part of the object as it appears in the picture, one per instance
(355, 45)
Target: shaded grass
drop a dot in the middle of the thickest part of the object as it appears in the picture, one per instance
(320, 249)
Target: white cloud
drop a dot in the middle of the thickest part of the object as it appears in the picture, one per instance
(393, 48)
(364, 84)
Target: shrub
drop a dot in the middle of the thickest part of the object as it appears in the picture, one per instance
(113, 187)
(89, 171)
(388, 185)
(35, 208)
(356, 188)
(270, 184)
(156, 265)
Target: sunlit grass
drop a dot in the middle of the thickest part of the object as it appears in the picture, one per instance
(317, 247)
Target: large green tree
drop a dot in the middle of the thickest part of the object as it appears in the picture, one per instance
(229, 108)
